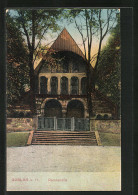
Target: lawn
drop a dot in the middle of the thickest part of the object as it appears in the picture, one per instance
(110, 139)
(17, 139)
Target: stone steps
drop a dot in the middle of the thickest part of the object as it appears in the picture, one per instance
(64, 138)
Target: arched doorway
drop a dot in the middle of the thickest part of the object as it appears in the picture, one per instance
(53, 108)
(75, 108)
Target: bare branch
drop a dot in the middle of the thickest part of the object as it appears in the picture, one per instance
(38, 50)
(25, 30)
(83, 39)
(41, 38)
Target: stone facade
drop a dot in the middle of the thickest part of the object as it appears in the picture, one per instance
(66, 84)
(29, 124)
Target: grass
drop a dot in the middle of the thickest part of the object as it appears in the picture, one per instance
(110, 139)
(17, 139)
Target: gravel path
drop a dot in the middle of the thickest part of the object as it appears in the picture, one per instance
(63, 159)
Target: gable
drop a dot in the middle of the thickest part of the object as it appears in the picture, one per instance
(65, 42)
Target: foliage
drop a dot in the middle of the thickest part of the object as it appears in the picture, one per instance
(109, 68)
(34, 25)
(17, 139)
(92, 24)
(17, 69)
(110, 139)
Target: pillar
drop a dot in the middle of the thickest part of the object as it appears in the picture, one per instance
(64, 111)
(48, 85)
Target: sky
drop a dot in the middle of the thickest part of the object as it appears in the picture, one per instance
(74, 32)
(71, 28)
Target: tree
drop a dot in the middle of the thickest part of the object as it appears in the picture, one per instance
(34, 24)
(92, 24)
(17, 69)
(109, 68)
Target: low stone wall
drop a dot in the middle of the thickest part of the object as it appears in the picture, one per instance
(106, 126)
(29, 124)
(21, 124)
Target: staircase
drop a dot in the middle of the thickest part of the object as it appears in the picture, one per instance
(64, 138)
(102, 104)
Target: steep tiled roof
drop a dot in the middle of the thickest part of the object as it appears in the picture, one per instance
(65, 42)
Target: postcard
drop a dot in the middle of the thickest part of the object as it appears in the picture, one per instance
(63, 123)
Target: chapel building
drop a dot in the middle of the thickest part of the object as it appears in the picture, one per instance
(61, 91)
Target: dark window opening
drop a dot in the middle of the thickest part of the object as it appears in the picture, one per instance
(43, 85)
(74, 86)
(54, 85)
(84, 86)
(64, 85)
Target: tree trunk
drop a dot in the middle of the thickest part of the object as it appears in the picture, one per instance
(32, 85)
(89, 90)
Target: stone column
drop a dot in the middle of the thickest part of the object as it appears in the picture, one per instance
(42, 111)
(64, 108)
(64, 111)
(59, 85)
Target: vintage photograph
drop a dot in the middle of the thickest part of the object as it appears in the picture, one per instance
(63, 99)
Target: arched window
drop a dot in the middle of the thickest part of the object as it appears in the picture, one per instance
(64, 85)
(84, 86)
(74, 86)
(43, 85)
(54, 85)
